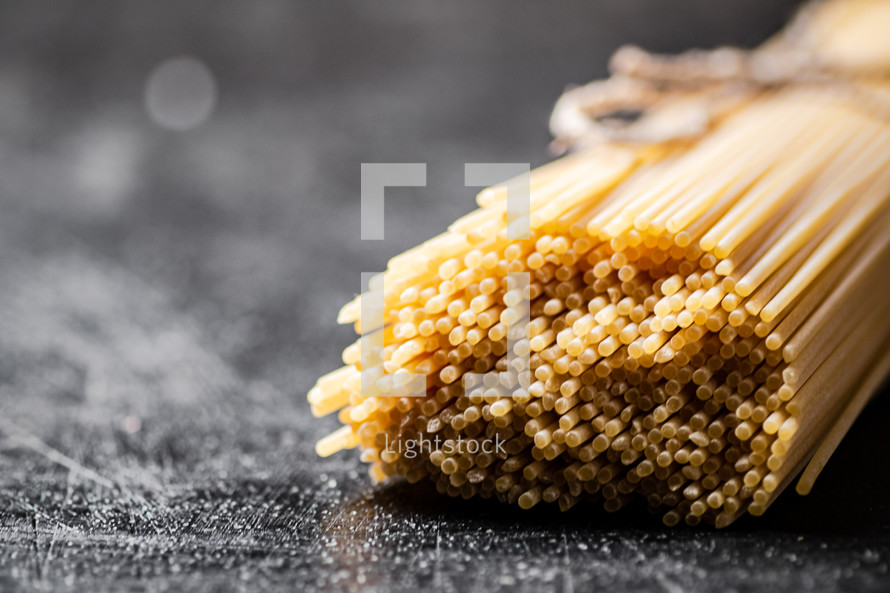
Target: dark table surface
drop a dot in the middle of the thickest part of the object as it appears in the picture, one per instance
(168, 297)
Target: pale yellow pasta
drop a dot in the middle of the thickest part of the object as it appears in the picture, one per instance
(693, 301)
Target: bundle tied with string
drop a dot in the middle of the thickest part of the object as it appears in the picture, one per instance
(708, 310)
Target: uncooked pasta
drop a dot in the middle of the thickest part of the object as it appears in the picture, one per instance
(707, 296)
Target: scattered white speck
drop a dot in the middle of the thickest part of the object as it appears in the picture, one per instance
(669, 585)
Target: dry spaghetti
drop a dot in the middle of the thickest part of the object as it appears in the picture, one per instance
(708, 311)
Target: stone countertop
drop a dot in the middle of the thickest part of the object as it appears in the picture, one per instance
(168, 297)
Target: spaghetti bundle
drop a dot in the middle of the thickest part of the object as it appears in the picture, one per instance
(708, 310)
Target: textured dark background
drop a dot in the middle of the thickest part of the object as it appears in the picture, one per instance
(167, 299)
